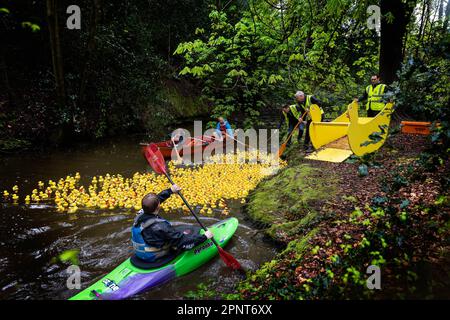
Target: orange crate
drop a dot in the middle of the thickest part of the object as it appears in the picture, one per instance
(412, 127)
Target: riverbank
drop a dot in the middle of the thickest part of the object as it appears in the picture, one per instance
(174, 103)
(334, 221)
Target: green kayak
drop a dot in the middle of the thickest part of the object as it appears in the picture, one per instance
(127, 279)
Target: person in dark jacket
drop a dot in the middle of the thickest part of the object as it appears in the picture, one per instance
(304, 103)
(153, 237)
(290, 115)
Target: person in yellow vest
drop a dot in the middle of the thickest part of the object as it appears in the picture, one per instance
(290, 115)
(304, 102)
(374, 95)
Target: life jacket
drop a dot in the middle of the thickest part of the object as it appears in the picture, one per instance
(374, 97)
(142, 249)
(223, 127)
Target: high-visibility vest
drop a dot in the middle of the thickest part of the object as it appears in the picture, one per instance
(374, 97)
(308, 105)
(294, 111)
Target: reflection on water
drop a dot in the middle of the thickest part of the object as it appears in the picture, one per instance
(31, 236)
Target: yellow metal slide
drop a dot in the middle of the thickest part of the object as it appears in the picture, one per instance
(335, 141)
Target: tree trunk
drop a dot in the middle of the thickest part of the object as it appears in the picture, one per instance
(4, 79)
(65, 132)
(421, 28)
(441, 10)
(447, 17)
(5, 87)
(55, 43)
(91, 44)
(392, 35)
(427, 19)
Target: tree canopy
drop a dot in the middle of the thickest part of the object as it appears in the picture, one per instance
(237, 59)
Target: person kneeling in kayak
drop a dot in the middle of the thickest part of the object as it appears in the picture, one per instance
(223, 129)
(154, 239)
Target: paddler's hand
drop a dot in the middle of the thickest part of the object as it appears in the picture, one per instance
(175, 188)
(209, 234)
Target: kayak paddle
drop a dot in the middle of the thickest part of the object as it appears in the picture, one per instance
(283, 146)
(156, 161)
(176, 151)
(232, 138)
(194, 138)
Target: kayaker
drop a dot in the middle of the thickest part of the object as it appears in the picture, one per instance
(304, 102)
(176, 140)
(154, 238)
(290, 115)
(223, 128)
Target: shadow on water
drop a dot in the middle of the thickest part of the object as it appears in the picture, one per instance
(31, 236)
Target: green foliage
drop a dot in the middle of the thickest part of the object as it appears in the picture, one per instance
(13, 144)
(202, 292)
(423, 89)
(70, 256)
(117, 68)
(362, 170)
(252, 58)
(314, 56)
(34, 27)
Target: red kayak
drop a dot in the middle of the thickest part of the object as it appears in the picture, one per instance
(191, 145)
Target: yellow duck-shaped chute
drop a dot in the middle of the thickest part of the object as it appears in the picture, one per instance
(364, 134)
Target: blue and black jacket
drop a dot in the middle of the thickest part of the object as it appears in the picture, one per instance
(155, 238)
(226, 125)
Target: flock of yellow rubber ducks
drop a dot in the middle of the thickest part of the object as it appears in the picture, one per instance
(206, 186)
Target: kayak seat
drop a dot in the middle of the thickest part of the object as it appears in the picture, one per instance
(145, 265)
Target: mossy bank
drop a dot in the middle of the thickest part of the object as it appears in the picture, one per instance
(290, 202)
(333, 223)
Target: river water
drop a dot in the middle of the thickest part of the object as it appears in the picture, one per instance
(31, 236)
